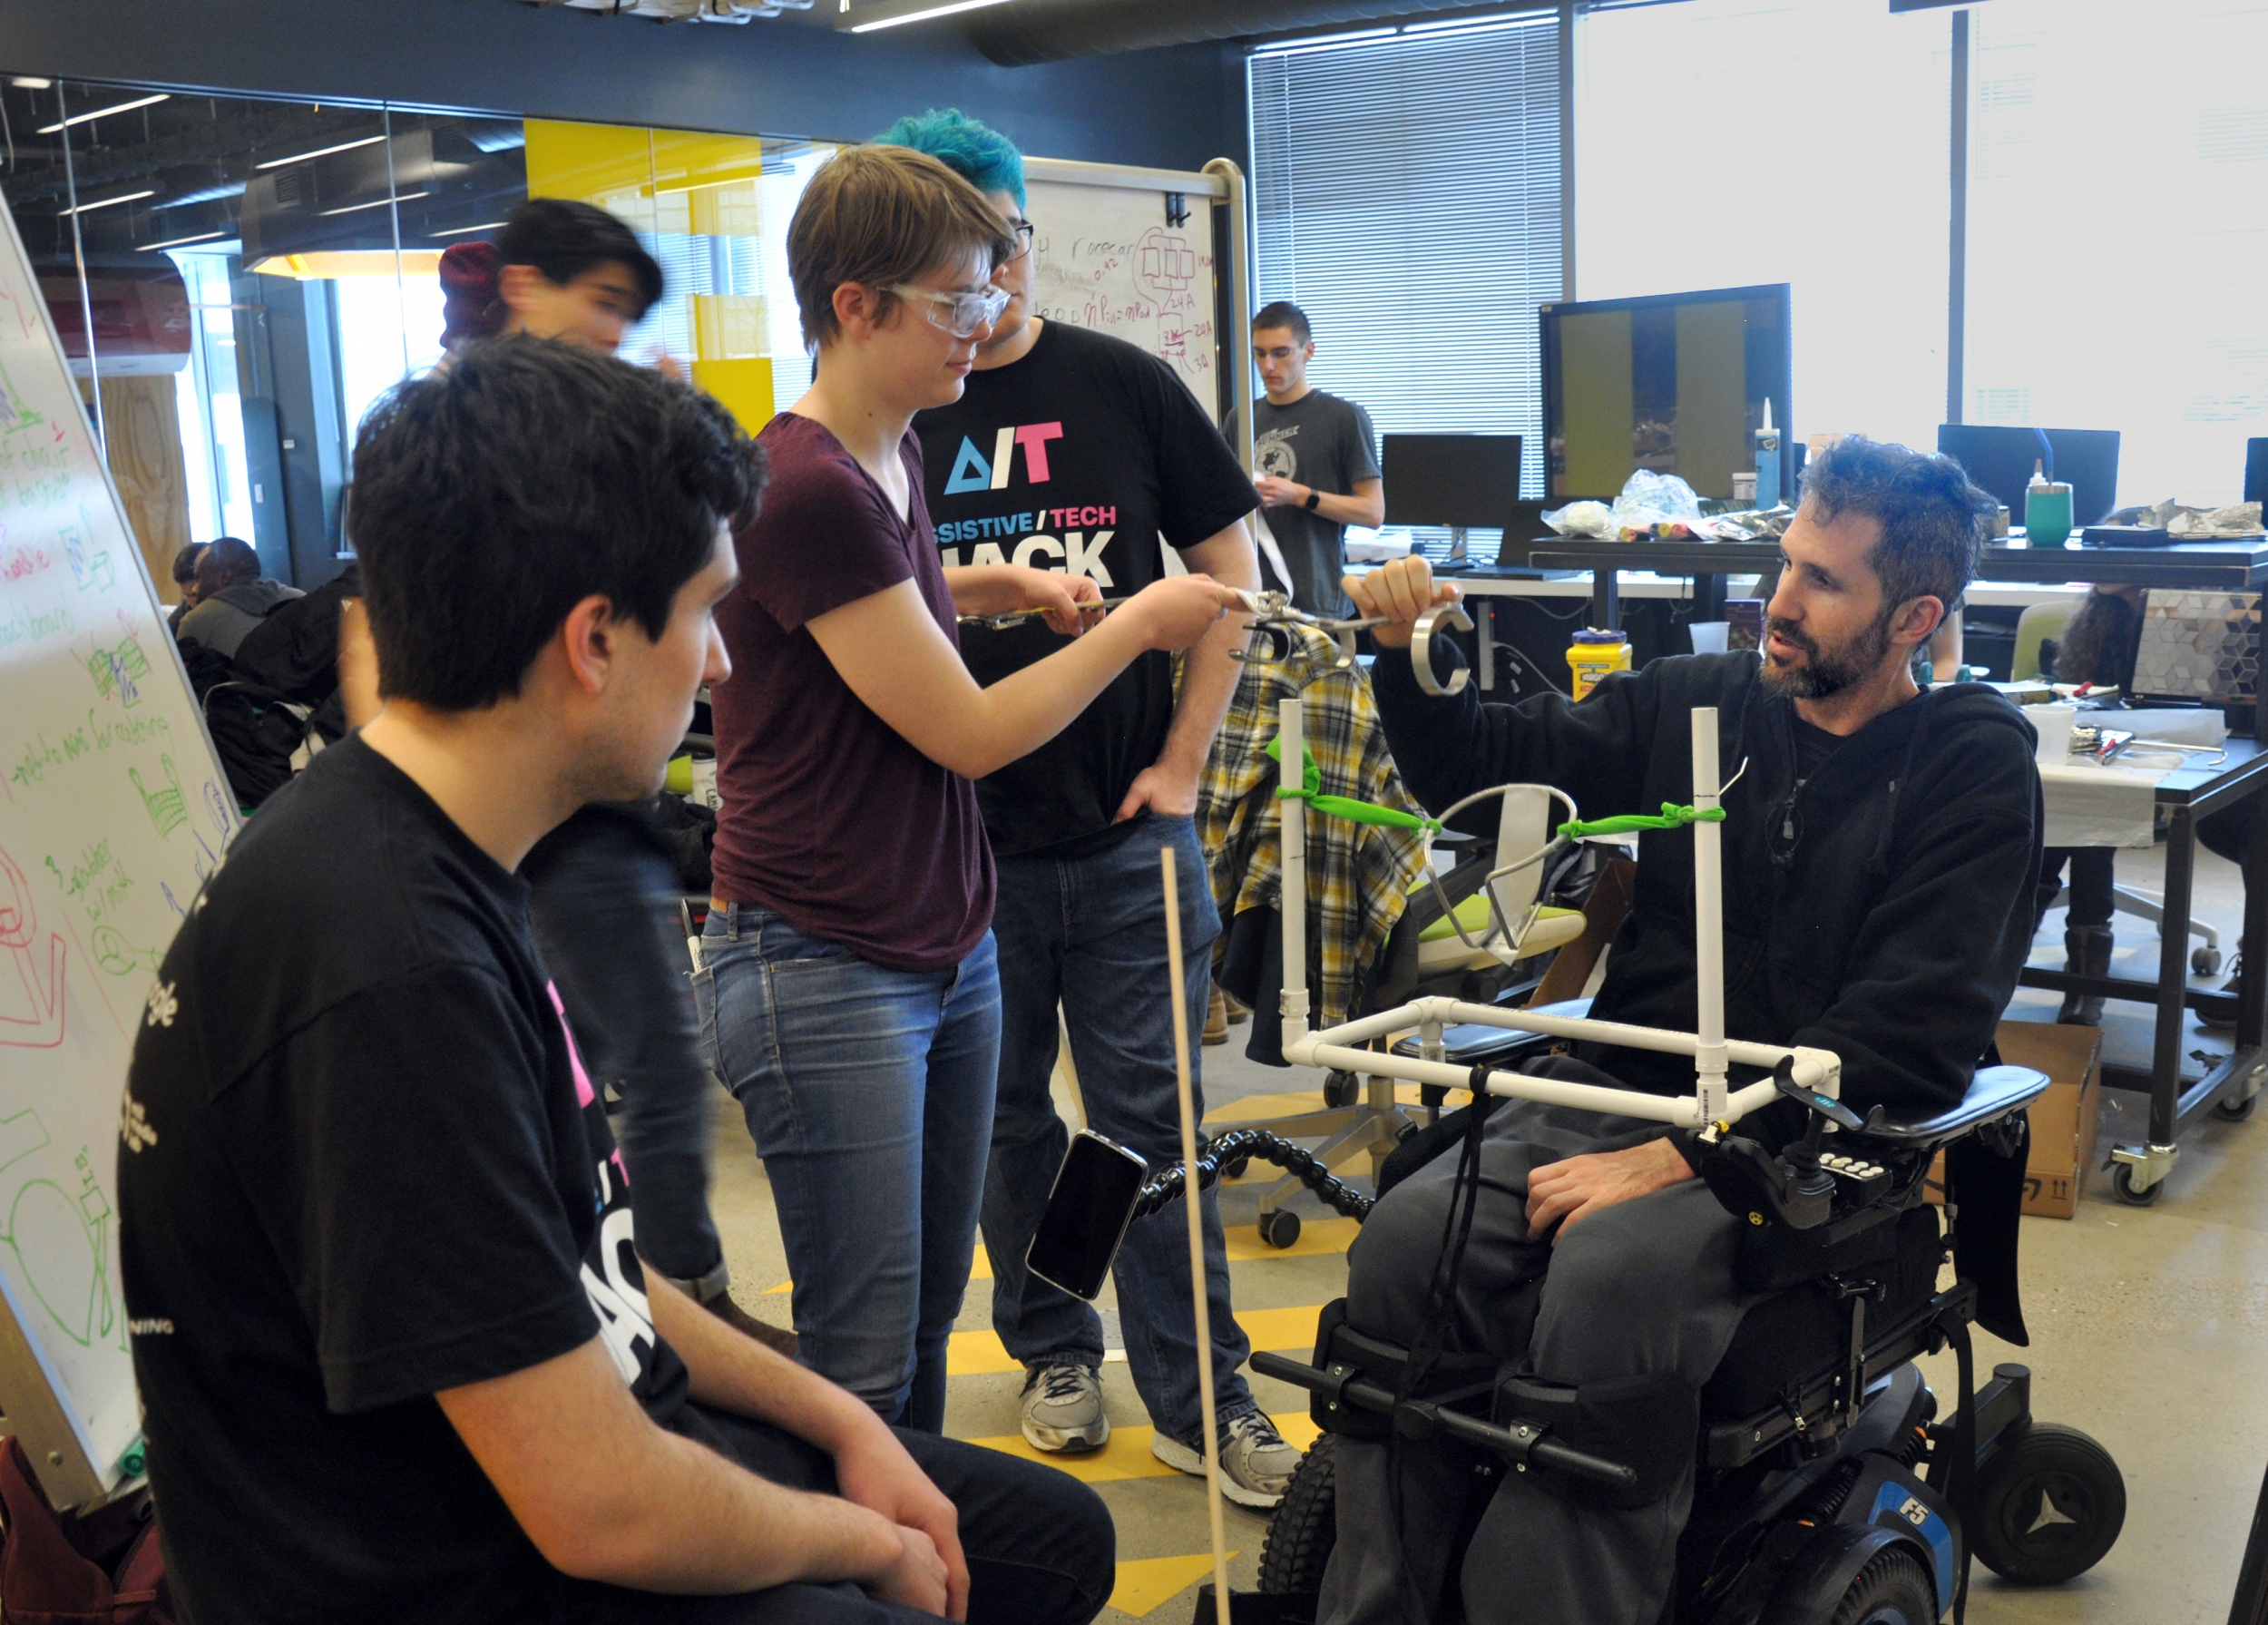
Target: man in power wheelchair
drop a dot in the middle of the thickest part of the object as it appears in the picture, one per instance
(1588, 1275)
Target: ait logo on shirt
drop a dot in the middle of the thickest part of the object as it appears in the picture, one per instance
(972, 472)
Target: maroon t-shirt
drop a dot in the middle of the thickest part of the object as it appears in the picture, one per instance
(830, 818)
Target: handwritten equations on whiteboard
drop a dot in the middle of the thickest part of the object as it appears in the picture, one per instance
(1105, 258)
(111, 813)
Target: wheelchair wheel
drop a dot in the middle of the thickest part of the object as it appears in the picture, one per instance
(1893, 1589)
(2049, 1504)
(1304, 1525)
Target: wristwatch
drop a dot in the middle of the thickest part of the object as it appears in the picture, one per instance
(1315, 499)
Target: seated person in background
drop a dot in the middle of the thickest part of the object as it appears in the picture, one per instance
(1879, 851)
(232, 597)
(185, 579)
(397, 1355)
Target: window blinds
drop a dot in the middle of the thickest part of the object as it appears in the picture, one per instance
(1407, 190)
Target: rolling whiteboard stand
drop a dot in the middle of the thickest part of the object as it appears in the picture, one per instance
(113, 810)
(1711, 1103)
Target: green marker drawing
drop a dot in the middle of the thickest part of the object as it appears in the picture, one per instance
(167, 808)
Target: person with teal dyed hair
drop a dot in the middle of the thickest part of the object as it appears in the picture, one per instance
(1081, 452)
(977, 153)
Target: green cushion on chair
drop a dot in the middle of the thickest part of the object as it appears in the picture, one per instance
(1473, 914)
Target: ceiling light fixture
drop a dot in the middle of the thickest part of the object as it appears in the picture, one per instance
(461, 230)
(105, 202)
(374, 203)
(26, 82)
(897, 12)
(345, 146)
(178, 241)
(103, 113)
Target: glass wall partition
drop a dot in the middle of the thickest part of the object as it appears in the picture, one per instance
(236, 280)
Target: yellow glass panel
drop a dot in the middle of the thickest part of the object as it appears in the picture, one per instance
(745, 387)
(611, 165)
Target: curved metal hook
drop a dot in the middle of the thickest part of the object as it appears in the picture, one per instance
(1422, 649)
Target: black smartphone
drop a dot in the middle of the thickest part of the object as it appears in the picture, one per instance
(1086, 1215)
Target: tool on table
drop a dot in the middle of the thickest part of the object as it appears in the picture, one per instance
(1008, 618)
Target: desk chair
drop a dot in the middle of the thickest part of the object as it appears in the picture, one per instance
(2044, 621)
(1427, 954)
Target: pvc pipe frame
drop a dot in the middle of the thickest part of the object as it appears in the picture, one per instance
(1712, 1102)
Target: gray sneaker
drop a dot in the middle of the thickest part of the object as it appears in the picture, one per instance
(1063, 1409)
(1256, 1464)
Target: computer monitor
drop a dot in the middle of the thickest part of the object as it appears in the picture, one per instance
(1459, 481)
(1999, 458)
(1677, 383)
(2256, 471)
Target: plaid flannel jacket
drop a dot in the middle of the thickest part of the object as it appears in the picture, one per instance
(1358, 876)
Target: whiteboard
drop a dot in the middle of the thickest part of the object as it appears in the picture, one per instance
(111, 812)
(1108, 258)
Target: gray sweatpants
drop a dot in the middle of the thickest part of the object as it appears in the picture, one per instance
(1642, 1287)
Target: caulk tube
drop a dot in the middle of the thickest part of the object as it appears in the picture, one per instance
(1768, 493)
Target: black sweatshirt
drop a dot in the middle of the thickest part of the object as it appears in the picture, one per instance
(1881, 911)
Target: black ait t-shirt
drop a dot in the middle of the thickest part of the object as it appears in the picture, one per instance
(1090, 456)
(360, 1163)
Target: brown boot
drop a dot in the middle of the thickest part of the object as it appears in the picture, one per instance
(1217, 1019)
(779, 1339)
(2085, 953)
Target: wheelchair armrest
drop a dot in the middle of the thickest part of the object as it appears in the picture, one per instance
(1993, 1093)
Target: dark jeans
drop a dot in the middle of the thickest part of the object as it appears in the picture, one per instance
(1041, 1547)
(2094, 871)
(1090, 933)
(604, 901)
(1644, 1288)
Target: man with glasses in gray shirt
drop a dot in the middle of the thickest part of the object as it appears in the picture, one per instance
(1314, 462)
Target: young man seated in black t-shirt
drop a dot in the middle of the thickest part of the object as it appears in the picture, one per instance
(398, 1358)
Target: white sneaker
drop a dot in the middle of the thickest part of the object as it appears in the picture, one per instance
(1063, 1409)
(1256, 1464)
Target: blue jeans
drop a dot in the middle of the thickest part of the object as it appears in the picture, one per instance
(1091, 934)
(869, 1093)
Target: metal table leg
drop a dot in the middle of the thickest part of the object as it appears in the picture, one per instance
(1606, 598)
(2250, 1606)
(1708, 598)
(1484, 630)
(2138, 1170)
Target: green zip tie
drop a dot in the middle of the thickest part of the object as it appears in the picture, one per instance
(1343, 806)
(1673, 817)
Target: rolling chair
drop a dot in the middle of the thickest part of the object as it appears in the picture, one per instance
(2039, 622)
(1462, 953)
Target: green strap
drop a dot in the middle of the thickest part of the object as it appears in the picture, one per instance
(1673, 817)
(1341, 807)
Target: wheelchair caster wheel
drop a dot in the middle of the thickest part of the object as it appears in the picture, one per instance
(1341, 1089)
(2205, 962)
(2235, 1111)
(1280, 1229)
(1237, 1169)
(2122, 1181)
(2049, 1502)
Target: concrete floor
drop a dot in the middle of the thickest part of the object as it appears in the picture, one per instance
(2144, 1322)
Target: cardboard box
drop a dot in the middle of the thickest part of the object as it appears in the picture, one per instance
(2063, 1120)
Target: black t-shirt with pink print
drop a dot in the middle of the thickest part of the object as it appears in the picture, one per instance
(360, 1164)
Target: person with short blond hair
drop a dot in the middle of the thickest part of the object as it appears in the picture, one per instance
(850, 989)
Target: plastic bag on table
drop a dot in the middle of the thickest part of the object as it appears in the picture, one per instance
(1655, 504)
(1582, 519)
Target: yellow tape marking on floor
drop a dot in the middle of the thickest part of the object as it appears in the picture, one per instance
(1127, 1455)
(975, 1354)
(1317, 1236)
(1147, 1582)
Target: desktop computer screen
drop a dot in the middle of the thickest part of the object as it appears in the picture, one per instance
(1677, 383)
(1999, 458)
(1460, 481)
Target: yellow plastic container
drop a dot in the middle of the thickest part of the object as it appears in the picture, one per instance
(1593, 655)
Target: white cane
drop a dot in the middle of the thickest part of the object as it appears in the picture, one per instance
(1197, 1241)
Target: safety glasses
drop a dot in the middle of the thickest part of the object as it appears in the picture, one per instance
(959, 314)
